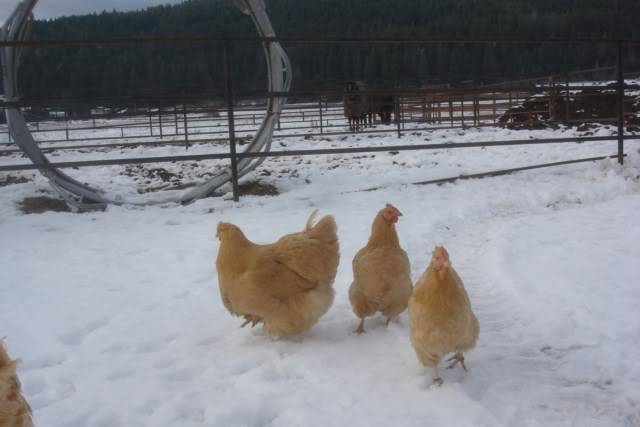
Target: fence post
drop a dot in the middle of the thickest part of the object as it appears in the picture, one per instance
(553, 97)
(8, 127)
(230, 118)
(398, 119)
(476, 109)
(150, 119)
(175, 115)
(186, 126)
(620, 105)
(320, 108)
(160, 120)
(494, 107)
(567, 98)
(451, 109)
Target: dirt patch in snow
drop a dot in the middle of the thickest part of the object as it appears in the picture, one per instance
(41, 204)
(258, 188)
(10, 180)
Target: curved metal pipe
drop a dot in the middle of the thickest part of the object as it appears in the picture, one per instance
(279, 80)
(78, 196)
(81, 197)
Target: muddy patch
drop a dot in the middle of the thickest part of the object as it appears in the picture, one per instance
(41, 204)
(257, 188)
(154, 179)
(10, 180)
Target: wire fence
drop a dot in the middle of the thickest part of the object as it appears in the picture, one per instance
(157, 119)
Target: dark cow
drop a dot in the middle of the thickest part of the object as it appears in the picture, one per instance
(362, 109)
(382, 105)
(356, 105)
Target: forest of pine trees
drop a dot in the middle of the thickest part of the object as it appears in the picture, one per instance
(193, 68)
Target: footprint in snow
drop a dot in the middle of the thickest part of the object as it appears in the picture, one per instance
(206, 342)
(150, 307)
(149, 347)
(171, 337)
(163, 364)
(120, 374)
(182, 295)
(114, 348)
(77, 420)
(34, 385)
(109, 420)
(77, 336)
(149, 407)
(42, 362)
(180, 375)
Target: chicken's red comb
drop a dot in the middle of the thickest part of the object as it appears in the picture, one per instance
(390, 206)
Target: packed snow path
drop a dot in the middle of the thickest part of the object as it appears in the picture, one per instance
(118, 320)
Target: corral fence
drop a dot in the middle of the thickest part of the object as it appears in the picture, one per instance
(231, 114)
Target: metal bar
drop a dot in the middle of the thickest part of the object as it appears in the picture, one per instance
(620, 105)
(204, 95)
(232, 130)
(509, 171)
(288, 153)
(309, 39)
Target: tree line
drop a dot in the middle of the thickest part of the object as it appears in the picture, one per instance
(107, 70)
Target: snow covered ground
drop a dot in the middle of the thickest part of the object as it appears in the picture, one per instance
(118, 320)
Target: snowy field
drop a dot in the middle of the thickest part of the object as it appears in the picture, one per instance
(118, 321)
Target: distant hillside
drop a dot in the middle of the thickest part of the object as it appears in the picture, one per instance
(119, 70)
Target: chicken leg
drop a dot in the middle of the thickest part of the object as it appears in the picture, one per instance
(457, 358)
(360, 329)
(436, 377)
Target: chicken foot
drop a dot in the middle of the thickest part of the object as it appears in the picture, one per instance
(457, 358)
(250, 319)
(360, 329)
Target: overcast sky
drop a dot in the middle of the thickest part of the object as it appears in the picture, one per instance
(55, 8)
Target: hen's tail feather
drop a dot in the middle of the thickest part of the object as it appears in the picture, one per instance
(324, 230)
(310, 220)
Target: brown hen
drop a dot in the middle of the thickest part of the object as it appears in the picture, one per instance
(440, 315)
(287, 285)
(381, 271)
